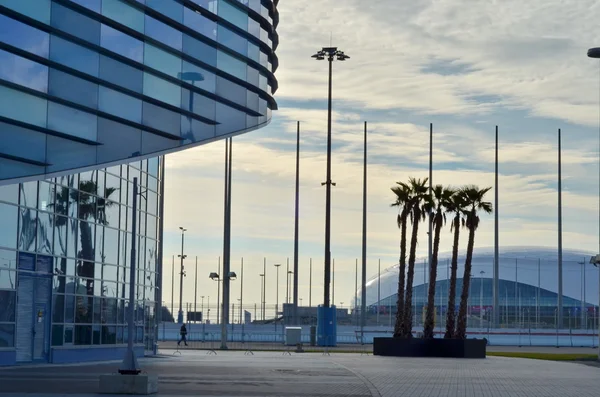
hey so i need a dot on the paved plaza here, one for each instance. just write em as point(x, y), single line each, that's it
point(277, 374)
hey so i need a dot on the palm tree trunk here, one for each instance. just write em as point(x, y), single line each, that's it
point(461, 328)
point(401, 279)
point(430, 315)
point(87, 259)
point(407, 323)
point(450, 315)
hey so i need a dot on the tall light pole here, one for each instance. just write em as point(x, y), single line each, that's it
point(296, 228)
point(481, 273)
point(277, 265)
point(331, 54)
point(227, 242)
point(496, 288)
point(196, 291)
point(363, 284)
point(560, 248)
point(262, 294)
point(310, 283)
point(264, 297)
point(181, 275)
point(287, 282)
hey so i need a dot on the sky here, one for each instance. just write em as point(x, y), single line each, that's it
point(463, 66)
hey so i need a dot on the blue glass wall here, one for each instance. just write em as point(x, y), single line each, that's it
point(91, 82)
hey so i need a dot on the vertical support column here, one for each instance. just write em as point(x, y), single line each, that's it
point(296, 227)
point(363, 290)
point(560, 249)
point(496, 283)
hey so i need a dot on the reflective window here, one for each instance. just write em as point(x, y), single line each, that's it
point(200, 50)
point(68, 154)
point(199, 104)
point(161, 119)
point(210, 5)
point(60, 235)
point(72, 121)
point(231, 65)
point(153, 165)
point(233, 14)
point(20, 106)
point(120, 12)
point(230, 119)
point(9, 193)
point(74, 56)
point(170, 8)
point(263, 83)
point(252, 99)
point(29, 194)
point(24, 36)
point(163, 33)
point(121, 43)
point(9, 216)
point(200, 24)
point(152, 143)
point(22, 142)
point(162, 60)
point(252, 76)
point(111, 240)
point(44, 233)
point(152, 184)
point(197, 132)
point(8, 299)
point(123, 75)
point(27, 229)
point(7, 335)
point(162, 90)
point(232, 91)
point(118, 140)
point(76, 24)
point(254, 28)
point(46, 196)
point(72, 89)
point(22, 71)
point(253, 52)
point(121, 105)
point(152, 202)
point(94, 5)
point(38, 10)
point(199, 77)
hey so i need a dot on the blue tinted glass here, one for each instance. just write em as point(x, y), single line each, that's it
point(252, 76)
point(253, 52)
point(118, 73)
point(230, 119)
point(200, 24)
point(121, 105)
point(20, 106)
point(24, 36)
point(38, 10)
point(74, 56)
point(161, 119)
point(200, 50)
point(231, 65)
point(230, 90)
point(200, 104)
point(73, 89)
point(72, 121)
point(93, 5)
point(233, 14)
point(121, 43)
point(163, 33)
point(22, 71)
point(162, 90)
point(65, 154)
point(170, 8)
point(210, 5)
point(8, 214)
point(252, 100)
point(203, 78)
point(198, 131)
point(118, 141)
point(162, 60)
point(124, 14)
point(152, 143)
point(76, 24)
point(254, 28)
point(15, 169)
point(22, 142)
point(233, 41)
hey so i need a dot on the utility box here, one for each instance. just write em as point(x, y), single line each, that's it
point(293, 336)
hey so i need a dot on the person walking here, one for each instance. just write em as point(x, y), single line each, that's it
point(183, 333)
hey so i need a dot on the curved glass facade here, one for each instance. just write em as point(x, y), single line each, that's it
point(90, 82)
point(65, 252)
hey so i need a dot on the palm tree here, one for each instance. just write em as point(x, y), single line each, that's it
point(474, 203)
point(403, 197)
point(441, 200)
point(417, 212)
point(456, 206)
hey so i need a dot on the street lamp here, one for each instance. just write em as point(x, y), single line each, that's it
point(277, 294)
point(192, 77)
point(287, 294)
point(215, 277)
point(262, 294)
point(181, 275)
point(331, 54)
point(481, 273)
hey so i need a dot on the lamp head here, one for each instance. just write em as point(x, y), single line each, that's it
point(214, 276)
point(182, 256)
point(232, 275)
point(594, 52)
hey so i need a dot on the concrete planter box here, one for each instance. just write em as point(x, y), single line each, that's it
point(413, 347)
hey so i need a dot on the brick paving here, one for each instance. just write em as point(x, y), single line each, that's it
point(316, 374)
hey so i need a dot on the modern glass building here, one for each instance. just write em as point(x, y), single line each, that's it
point(85, 83)
point(92, 94)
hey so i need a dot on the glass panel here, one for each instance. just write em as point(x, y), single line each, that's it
point(7, 335)
point(118, 73)
point(57, 334)
point(200, 50)
point(72, 121)
point(27, 229)
point(121, 43)
point(111, 247)
point(8, 280)
point(23, 36)
point(46, 196)
point(230, 90)
point(29, 194)
point(8, 259)
point(60, 235)
point(58, 301)
point(199, 104)
point(163, 33)
point(24, 72)
point(161, 119)
point(73, 89)
point(199, 77)
point(8, 231)
point(231, 65)
point(99, 245)
point(40, 10)
point(231, 119)
point(162, 90)
point(70, 302)
point(83, 333)
point(233, 15)
point(64, 154)
point(253, 52)
point(210, 5)
point(74, 56)
point(72, 238)
point(22, 142)
point(44, 230)
point(118, 140)
point(199, 131)
point(120, 105)
point(254, 28)
point(153, 165)
point(233, 41)
point(23, 107)
point(252, 76)
point(9, 193)
point(162, 61)
point(171, 9)
point(200, 23)
point(123, 14)
point(93, 5)
point(76, 24)
point(152, 184)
